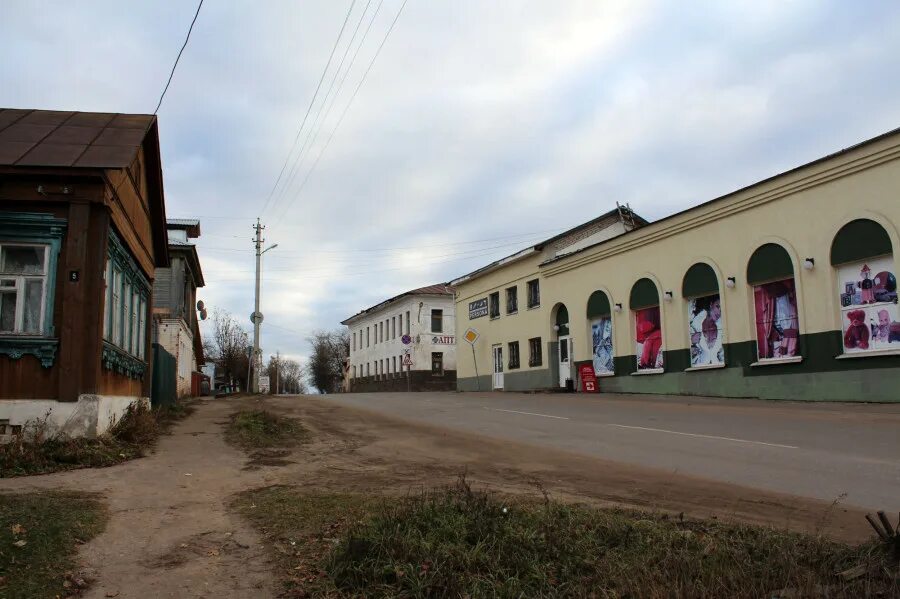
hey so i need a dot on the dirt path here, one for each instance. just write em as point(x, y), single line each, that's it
point(171, 534)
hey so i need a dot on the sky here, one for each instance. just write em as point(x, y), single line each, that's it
point(479, 129)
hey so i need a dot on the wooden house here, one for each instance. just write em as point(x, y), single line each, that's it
point(82, 231)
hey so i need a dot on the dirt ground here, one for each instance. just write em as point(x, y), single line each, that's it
point(171, 533)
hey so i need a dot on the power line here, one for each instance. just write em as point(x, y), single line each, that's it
point(310, 138)
point(183, 46)
point(309, 108)
point(482, 251)
point(344, 113)
point(393, 249)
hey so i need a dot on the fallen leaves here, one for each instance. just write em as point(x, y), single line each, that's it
point(18, 530)
point(20, 543)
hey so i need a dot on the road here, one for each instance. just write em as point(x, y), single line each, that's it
point(845, 452)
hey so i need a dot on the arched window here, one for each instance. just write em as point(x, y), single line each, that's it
point(771, 273)
point(707, 335)
point(644, 303)
point(600, 321)
point(562, 321)
point(862, 254)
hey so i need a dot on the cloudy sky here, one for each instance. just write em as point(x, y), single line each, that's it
point(480, 128)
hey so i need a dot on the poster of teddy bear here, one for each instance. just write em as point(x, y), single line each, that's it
point(868, 300)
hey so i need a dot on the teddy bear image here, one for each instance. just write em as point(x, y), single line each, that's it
point(857, 334)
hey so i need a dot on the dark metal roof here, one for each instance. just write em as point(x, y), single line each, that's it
point(439, 289)
point(71, 139)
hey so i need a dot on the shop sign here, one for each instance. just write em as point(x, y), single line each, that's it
point(478, 308)
point(588, 378)
point(443, 340)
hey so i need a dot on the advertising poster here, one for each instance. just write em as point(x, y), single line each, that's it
point(648, 338)
point(707, 335)
point(868, 300)
point(602, 344)
point(777, 325)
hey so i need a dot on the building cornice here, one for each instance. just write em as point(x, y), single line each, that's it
point(731, 204)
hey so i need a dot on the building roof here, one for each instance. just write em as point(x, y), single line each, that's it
point(637, 220)
point(71, 139)
point(437, 289)
point(190, 225)
point(732, 194)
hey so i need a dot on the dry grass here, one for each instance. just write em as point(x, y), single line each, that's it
point(34, 450)
point(39, 535)
point(463, 543)
point(259, 429)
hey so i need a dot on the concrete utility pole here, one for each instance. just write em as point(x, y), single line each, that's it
point(257, 316)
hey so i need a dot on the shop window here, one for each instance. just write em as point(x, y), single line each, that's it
point(644, 303)
point(771, 274)
point(600, 319)
point(437, 363)
point(862, 255)
point(535, 357)
point(494, 304)
point(513, 355)
point(704, 311)
point(512, 300)
point(533, 288)
point(437, 321)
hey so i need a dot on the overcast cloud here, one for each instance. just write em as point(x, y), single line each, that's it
point(500, 121)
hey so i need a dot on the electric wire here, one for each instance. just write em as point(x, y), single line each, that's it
point(309, 108)
point(316, 127)
point(344, 113)
point(183, 46)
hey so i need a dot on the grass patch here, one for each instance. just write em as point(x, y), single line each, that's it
point(256, 429)
point(34, 450)
point(39, 536)
point(461, 543)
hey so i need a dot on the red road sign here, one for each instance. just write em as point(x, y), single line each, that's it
point(588, 378)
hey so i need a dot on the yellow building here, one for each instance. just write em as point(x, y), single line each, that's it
point(785, 289)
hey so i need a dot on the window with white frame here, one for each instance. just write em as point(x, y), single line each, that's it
point(125, 306)
point(23, 288)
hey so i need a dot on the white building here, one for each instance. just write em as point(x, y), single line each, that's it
point(379, 358)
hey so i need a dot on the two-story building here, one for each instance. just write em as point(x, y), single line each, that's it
point(175, 307)
point(82, 232)
point(785, 289)
point(405, 343)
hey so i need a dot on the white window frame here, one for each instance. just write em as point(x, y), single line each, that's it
point(19, 288)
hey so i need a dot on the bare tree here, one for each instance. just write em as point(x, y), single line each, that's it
point(229, 344)
point(287, 374)
point(326, 365)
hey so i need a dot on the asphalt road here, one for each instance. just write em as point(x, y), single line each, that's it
point(845, 452)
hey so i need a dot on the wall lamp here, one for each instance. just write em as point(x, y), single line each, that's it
point(618, 307)
point(730, 282)
point(556, 327)
point(809, 263)
point(668, 296)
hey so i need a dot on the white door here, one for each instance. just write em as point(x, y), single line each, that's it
point(497, 351)
point(565, 371)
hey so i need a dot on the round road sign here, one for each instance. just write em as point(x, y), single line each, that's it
point(256, 317)
point(406, 339)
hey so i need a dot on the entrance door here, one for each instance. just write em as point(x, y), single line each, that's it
point(565, 371)
point(497, 351)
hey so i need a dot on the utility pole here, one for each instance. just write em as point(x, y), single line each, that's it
point(257, 316)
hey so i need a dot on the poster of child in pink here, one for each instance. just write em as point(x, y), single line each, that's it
point(648, 338)
point(868, 300)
